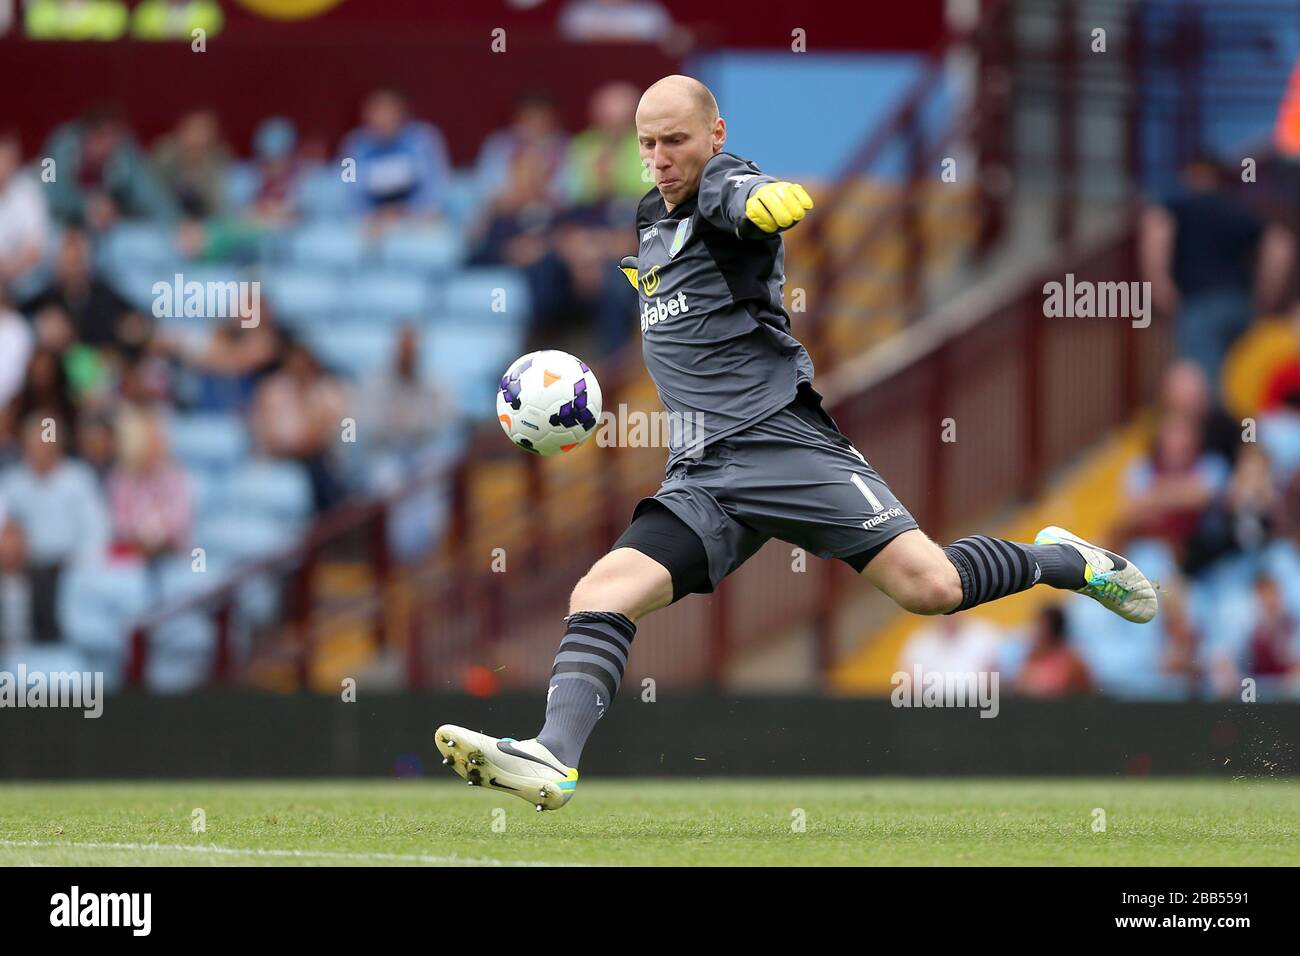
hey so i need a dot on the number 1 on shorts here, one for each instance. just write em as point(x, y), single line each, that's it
point(867, 493)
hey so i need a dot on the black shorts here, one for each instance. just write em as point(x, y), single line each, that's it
point(792, 476)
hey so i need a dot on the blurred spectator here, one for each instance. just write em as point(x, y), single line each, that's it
point(955, 645)
point(140, 410)
point(176, 19)
point(1271, 651)
point(297, 416)
point(533, 128)
point(604, 160)
point(17, 617)
point(192, 162)
point(1212, 263)
point(1169, 491)
point(57, 502)
point(150, 500)
point(401, 163)
point(516, 224)
point(84, 367)
point(16, 342)
point(24, 218)
point(276, 172)
point(1180, 653)
point(226, 364)
point(1242, 519)
point(1186, 391)
point(101, 174)
point(398, 419)
point(46, 392)
point(91, 303)
point(615, 21)
point(1052, 668)
point(97, 444)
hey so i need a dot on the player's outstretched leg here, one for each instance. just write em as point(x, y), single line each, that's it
point(926, 579)
point(587, 672)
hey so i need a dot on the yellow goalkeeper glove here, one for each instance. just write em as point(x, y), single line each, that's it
point(775, 206)
point(628, 267)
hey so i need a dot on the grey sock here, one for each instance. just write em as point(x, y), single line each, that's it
point(588, 670)
point(991, 568)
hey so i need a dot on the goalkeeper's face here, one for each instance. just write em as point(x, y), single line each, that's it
point(676, 142)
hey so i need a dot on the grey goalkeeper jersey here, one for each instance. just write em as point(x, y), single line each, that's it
point(714, 330)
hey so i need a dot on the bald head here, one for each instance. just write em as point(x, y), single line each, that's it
point(684, 95)
point(679, 129)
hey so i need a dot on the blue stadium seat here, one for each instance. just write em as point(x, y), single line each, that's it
point(276, 490)
point(328, 245)
point(241, 184)
point(496, 295)
point(467, 360)
point(321, 193)
point(301, 295)
point(464, 198)
point(209, 441)
point(138, 244)
point(180, 650)
point(431, 249)
point(45, 659)
point(97, 605)
point(233, 535)
point(354, 348)
point(388, 295)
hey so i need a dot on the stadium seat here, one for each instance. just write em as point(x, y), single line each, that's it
point(354, 349)
point(466, 361)
point(463, 197)
point(276, 490)
point(433, 249)
point(498, 295)
point(388, 295)
point(322, 194)
point(209, 441)
point(234, 535)
point(302, 295)
point(328, 245)
point(97, 606)
point(139, 245)
point(241, 185)
point(45, 659)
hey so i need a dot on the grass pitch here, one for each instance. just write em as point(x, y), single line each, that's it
point(655, 822)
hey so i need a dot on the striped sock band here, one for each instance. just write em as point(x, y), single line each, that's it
point(588, 669)
point(990, 568)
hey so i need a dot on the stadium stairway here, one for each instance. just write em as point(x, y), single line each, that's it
point(1072, 503)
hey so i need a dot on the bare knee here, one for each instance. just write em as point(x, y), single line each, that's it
point(625, 581)
point(916, 573)
point(935, 590)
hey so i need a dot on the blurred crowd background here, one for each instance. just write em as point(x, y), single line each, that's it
point(127, 438)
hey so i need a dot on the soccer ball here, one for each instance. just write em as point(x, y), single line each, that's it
point(548, 402)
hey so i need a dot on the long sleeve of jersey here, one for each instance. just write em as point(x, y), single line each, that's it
point(724, 188)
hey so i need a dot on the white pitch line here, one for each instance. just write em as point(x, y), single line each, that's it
point(293, 854)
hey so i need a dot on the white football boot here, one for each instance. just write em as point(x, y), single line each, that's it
point(1110, 580)
point(522, 767)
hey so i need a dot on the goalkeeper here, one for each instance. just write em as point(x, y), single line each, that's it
point(753, 455)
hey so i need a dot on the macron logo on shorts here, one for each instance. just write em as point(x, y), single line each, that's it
point(882, 518)
point(652, 313)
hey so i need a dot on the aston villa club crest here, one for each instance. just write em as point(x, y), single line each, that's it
point(679, 237)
